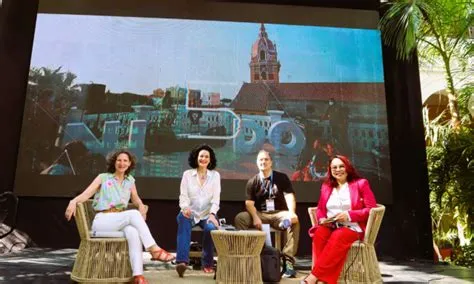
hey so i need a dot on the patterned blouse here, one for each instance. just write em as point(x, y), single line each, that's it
point(111, 193)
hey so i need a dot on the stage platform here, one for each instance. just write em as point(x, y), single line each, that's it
point(42, 265)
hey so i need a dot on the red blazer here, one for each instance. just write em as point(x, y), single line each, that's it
point(362, 199)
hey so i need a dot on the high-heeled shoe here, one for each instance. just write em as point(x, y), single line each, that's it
point(181, 268)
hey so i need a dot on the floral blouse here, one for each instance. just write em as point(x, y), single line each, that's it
point(111, 193)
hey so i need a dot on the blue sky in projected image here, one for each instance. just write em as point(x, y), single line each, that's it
point(142, 54)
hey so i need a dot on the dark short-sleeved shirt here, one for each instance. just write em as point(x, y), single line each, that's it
point(258, 190)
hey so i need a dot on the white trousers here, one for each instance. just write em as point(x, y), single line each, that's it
point(135, 229)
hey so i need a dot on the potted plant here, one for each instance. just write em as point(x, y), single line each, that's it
point(450, 157)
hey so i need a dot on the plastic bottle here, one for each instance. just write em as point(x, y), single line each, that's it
point(285, 224)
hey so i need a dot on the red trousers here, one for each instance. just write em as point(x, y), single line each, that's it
point(330, 248)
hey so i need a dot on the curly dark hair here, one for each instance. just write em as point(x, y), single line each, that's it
point(112, 158)
point(193, 156)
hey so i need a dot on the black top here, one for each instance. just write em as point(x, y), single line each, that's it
point(259, 191)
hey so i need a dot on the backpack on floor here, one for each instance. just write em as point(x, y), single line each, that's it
point(271, 262)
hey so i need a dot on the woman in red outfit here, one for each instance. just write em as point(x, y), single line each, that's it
point(345, 198)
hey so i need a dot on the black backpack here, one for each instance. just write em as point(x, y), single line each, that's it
point(271, 261)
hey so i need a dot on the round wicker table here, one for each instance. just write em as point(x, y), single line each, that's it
point(239, 256)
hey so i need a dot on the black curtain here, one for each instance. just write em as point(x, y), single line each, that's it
point(17, 22)
point(410, 213)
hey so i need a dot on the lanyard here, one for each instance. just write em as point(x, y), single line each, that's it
point(270, 190)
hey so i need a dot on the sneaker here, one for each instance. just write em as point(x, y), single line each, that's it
point(181, 268)
point(289, 271)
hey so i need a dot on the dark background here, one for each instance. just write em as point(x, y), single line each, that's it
point(405, 231)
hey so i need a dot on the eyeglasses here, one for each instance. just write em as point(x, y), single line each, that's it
point(333, 168)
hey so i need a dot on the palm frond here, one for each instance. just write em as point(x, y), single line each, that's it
point(402, 24)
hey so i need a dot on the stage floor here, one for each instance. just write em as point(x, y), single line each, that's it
point(42, 265)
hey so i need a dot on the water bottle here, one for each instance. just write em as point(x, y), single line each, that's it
point(285, 224)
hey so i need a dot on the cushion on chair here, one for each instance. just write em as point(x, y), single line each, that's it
point(105, 234)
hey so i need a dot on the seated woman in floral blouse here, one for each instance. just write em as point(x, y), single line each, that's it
point(112, 192)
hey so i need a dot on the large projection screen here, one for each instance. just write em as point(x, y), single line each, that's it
point(301, 83)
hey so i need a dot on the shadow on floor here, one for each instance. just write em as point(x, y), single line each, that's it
point(40, 265)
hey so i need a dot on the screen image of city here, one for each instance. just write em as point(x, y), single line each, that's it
point(159, 87)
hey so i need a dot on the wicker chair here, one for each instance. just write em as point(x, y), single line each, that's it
point(361, 265)
point(99, 260)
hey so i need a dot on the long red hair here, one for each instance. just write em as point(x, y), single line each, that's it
point(350, 170)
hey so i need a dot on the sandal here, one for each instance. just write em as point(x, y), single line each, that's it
point(139, 279)
point(208, 269)
point(305, 281)
point(162, 255)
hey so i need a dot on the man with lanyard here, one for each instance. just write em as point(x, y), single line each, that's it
point(271, 200)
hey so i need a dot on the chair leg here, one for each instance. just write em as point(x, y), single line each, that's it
point(373, 269)
point(361, 266)
point(278, 240)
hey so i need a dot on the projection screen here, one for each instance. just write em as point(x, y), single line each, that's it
point(302, 83)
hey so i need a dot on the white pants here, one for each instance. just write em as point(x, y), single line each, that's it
point(135, 229)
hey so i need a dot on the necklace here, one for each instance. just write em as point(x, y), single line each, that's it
point(202, 176)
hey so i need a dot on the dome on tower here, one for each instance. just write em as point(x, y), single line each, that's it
point(263, 43)
point(264, 64)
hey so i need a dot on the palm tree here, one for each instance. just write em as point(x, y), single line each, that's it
point(60, 84)
point(438, 30)
point(53, 79)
